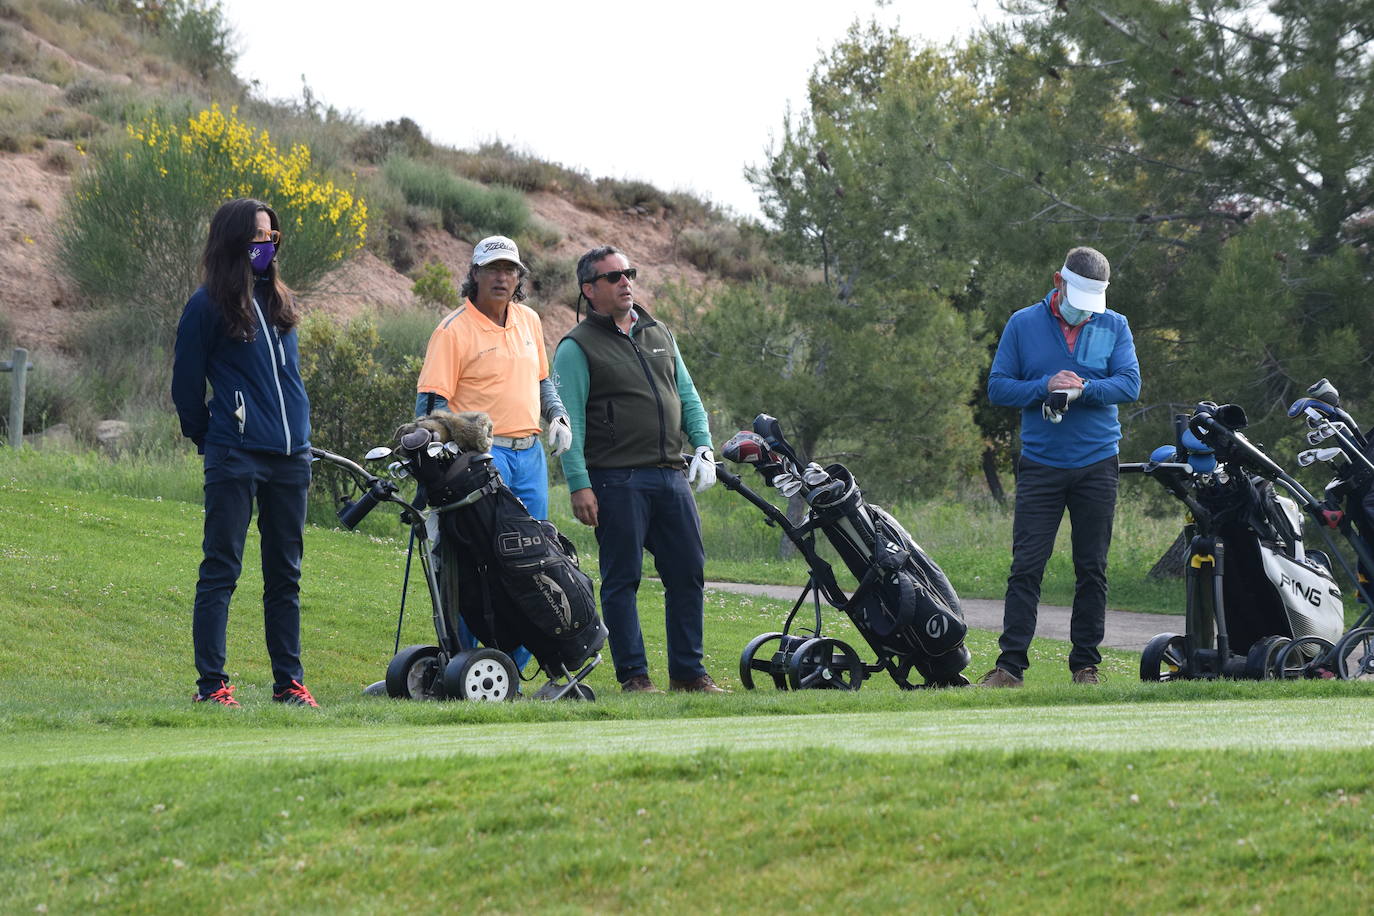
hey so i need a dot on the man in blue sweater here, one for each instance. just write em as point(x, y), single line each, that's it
point(1066, 361)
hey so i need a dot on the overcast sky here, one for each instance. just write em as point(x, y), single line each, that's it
point(683, 95)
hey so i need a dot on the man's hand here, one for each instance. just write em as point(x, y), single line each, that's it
point(702, 470)
point(559, 436)
point(584, 506)
point(1064, 378)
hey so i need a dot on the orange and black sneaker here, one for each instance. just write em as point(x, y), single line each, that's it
point(295, 695)
point(223, 695)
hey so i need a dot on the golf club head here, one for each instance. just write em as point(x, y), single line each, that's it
point(1323, 390)
point(377, 453)
point(745, 447)
point(771, 430)
point(415, 440)
point(1307, 457)
point(435, 449)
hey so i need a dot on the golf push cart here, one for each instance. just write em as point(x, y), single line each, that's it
point(904, 606)
point(1258, 605)
point(519, 581)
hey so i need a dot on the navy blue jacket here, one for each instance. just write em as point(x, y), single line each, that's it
point(258, 401)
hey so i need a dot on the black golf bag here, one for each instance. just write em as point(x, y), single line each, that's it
point(514, 579)
point(903, 606)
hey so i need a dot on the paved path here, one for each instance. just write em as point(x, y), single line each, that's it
point(1125, 629)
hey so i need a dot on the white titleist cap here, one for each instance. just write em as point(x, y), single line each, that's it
point(1084, 293)
point(498, 248)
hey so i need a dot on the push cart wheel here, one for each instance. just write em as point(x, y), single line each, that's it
point(582, 692)
point(414, 674)
point(1304, 657)
point(1259, 661)
point(825, 664)
point(1163, 658)
point(749, 661)
point(480, 674)
point(1354, 655)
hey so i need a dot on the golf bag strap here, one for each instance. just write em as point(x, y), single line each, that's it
point(485, 490)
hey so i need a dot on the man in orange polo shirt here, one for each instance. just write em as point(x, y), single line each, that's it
point(488, 355)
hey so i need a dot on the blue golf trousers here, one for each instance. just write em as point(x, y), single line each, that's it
point(527, 475)
point(651, 508)
point(1042, 495)
point(234, 480)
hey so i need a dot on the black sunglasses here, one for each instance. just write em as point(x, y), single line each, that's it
point(614, 276)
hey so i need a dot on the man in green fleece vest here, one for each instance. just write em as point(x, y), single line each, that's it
point(633, 408)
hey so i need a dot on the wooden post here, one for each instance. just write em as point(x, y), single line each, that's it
point(19, 366)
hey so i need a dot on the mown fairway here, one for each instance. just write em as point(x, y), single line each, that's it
point(119, 794)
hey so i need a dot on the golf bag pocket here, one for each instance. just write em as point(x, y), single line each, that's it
point(553, 595)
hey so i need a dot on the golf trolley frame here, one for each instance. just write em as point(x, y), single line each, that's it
point(808, 659)
point(1352, 656)
point(453, 669)
point(1204, 651)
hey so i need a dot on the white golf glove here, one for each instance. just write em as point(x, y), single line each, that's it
point(559, 436)
point(702, 470)
point(1058, 402)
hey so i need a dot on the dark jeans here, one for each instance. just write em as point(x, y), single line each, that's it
point(234, 480)
point(652, 508)
point(1042, 495)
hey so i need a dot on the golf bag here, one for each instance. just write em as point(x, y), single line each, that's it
point(514, 579)
point(903, 606)
point(1258, 603)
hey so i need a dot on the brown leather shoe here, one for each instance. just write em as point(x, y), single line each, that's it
point(1088, 675)
point(639, 683)
point(1001, 677)
point(702, 684)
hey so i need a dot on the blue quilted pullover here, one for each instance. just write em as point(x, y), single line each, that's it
point(1032, 350)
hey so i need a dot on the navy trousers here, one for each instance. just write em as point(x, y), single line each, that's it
point(235, 479)
point(1042, 495)
point(639, 508)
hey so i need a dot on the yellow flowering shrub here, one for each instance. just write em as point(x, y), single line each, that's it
point(237, 161)
point(137, 219)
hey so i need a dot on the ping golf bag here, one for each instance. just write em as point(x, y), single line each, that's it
point(514, 579)
point(903, 606)
point(1258, 604)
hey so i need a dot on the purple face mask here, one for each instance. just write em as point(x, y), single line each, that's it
point(260, 255)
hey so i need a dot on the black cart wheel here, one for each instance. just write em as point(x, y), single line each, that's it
point(581, 692)
point(1259, 661)
point(1163, 658)
point(1354, 655)
point(480, 674)
point(414, 674)
point(825, 664)
point(1302, 658)
point(756, 658)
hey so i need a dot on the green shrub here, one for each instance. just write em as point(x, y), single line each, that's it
point(467, 208)
point(356, 400)
point(196, 35)
point(51, 390)
point(381, 141)
point(404, 336)
point(434, 284)
point(498, 163)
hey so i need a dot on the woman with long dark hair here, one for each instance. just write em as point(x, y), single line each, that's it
point(237, 333)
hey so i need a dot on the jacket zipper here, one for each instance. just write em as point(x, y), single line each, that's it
point(658, 400)
point(276, 376)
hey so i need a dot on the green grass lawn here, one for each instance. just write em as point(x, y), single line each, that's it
point(119, 794)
